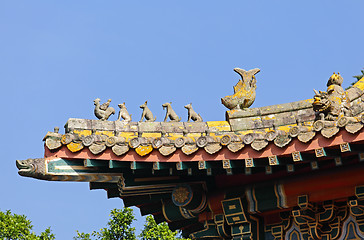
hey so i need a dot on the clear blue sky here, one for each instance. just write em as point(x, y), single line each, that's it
point(56, 57)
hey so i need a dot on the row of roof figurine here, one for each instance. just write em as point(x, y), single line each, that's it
point(103, 112)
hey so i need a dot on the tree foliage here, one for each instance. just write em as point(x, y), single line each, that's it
point(14, 226)
point(360, 76)
point(119, 227)
point(154, 231)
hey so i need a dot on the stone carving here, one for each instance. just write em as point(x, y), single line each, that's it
point(188, 149)
point(53, 139)
point(259, 144)
point(282, 140)
point(88, 140)
point(167, 150)
point(235, 146)
point(123, 113)
point(353, 127)
point(32, 168)
point(212, 148)
point(103, 111)
point(147, 114)
point(179, 142)
point(192, 114)
point(329, 132)
point(306, 136)
point(96, 148)
point(171, 114)
point(120, 149)
point(244, 90)
point(332, 104)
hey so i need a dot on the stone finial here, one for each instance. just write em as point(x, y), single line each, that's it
point(123, 113)
point(56, 129)
point(192, 114)
point(147, 114)
point(244, 90)
point(171, 114)
point(332, 104)
point(103, 111)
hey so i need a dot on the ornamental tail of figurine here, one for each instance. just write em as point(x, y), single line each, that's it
point(244, 90)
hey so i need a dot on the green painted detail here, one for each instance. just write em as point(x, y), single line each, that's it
point(182, 224)
point(144, 199)
point(140, 165)
point(242, 231)
point(162, 165)
point(118, 164)
point(173, 213)
point(181, 166)
point(62, 166)
point(359, 192)
point(233, 210)
point(95, 163)
point(266, 198)
point(151, 208)
point(302, 201)
point(232, 206)
point(76, 167)
point(209, 231)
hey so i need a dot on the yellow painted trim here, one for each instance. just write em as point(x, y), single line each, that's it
point(144, 150)
point(151, 134)
point(359, 84)
point(75, 147)
point(107, 133)
point(219, 125)
point(83, 132)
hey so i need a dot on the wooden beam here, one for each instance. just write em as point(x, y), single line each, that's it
point(95, 163)
point(113, 193)
point(102, 185)
point(134, 165)
point(119, 164)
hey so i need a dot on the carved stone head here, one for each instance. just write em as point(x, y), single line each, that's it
point(32, 168)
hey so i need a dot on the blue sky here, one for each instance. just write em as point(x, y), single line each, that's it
point(56, 57)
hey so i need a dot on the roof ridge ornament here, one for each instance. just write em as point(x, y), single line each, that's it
point(147, 114)
point(123, 113)
point(192, 114)
point(332, 104)
point(244, 90)
point(103, 111)
point(170, 113)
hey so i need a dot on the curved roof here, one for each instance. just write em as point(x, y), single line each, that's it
point(250, 133)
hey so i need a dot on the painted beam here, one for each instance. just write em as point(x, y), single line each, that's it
point(151, 208)
point(113, 193)
point(144, 199)
point(102, 185)
point(95, 163)
point(134, 165)
point(327, 152)
point(119, 164)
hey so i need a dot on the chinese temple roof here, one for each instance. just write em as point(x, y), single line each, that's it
point(186, 172)
point(247, 132)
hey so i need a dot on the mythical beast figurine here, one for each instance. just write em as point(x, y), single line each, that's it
point(244, 90)
point(103, 111)
point(123, 113)
point(333, 103)
point(170, 113)
point(192, 114)
point(147, 114)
